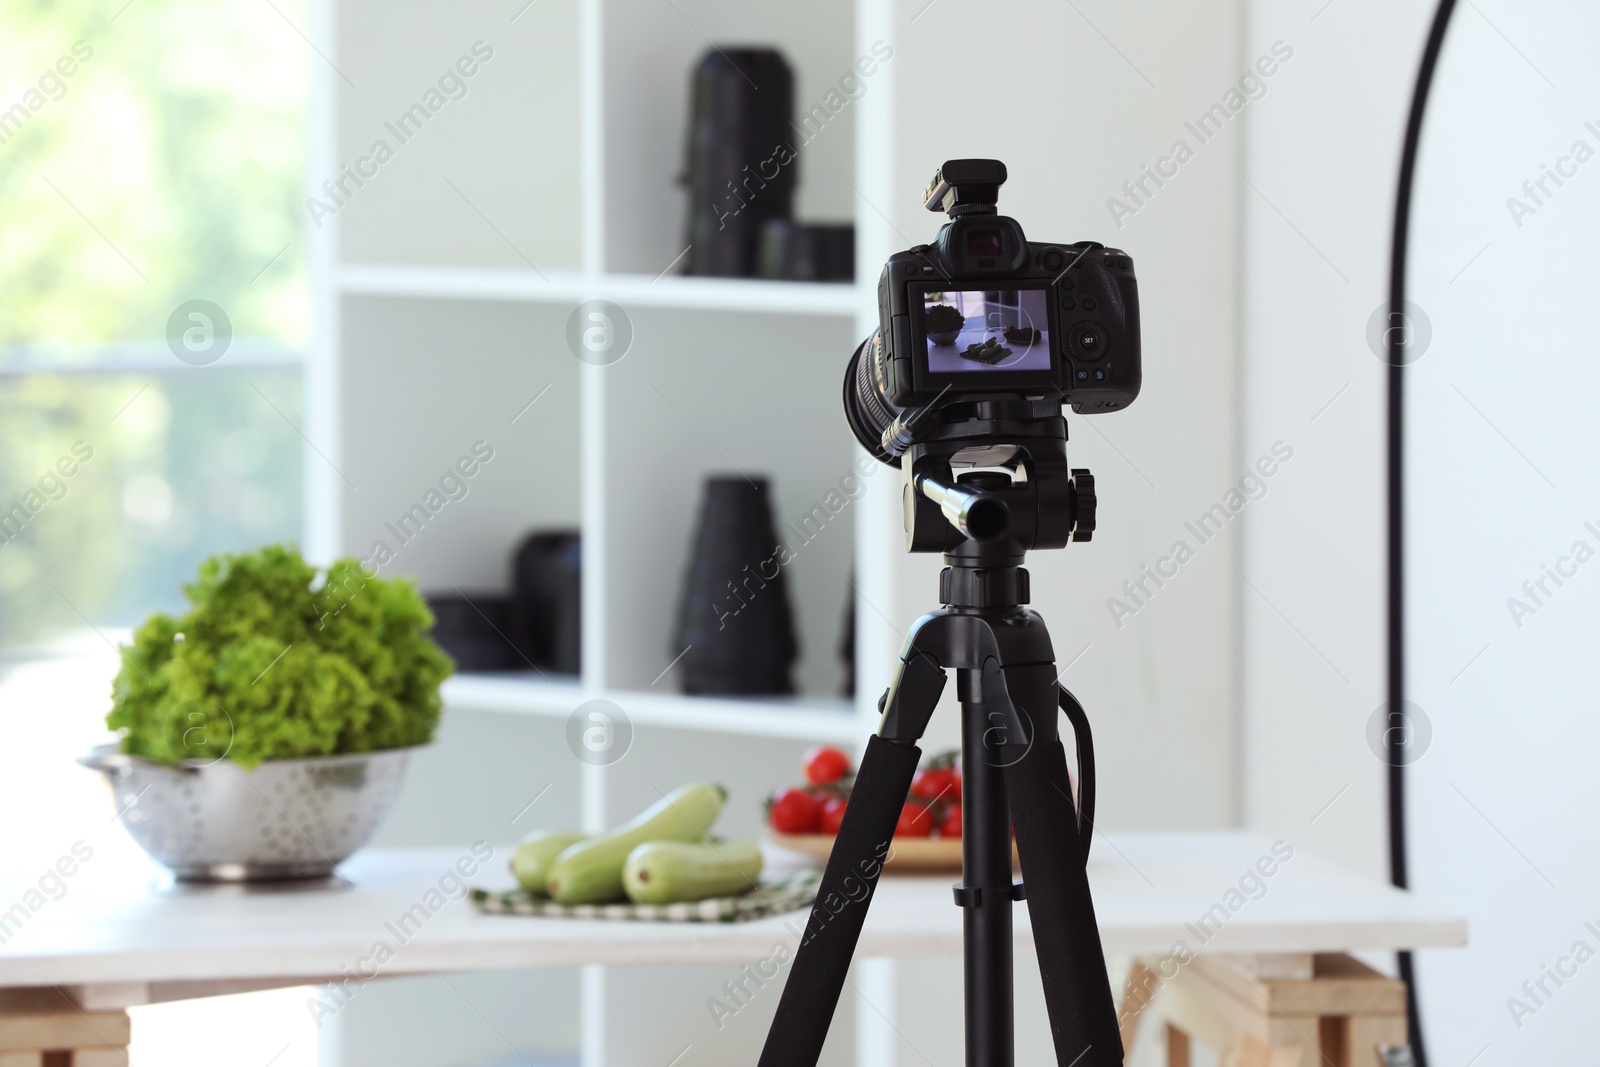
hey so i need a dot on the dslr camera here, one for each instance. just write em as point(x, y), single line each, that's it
point(983, 314)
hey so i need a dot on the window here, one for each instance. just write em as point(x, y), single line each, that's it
point(151, 154)
point(149, 158)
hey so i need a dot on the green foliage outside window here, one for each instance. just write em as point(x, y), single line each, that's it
point(150, 154)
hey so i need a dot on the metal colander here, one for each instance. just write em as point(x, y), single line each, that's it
point(214, 821)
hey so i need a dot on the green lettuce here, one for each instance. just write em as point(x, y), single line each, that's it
point(270, 663)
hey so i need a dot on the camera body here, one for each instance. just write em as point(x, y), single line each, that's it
point(983, 313)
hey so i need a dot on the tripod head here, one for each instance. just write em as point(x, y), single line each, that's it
point(990, 481)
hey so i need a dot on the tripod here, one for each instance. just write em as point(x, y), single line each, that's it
point(1013, 761)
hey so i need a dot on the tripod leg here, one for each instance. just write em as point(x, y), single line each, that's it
point(1083, 1018)
point(817, 976)
point(986, 891)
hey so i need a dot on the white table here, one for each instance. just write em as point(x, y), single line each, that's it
point(1151, 891)
point(124, 935)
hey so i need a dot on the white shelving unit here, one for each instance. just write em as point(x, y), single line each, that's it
point(445, 285)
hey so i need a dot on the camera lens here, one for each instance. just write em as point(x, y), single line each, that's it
point(984, 242)
point(864, 406)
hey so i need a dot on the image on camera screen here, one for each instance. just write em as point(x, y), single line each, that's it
point(997, 329)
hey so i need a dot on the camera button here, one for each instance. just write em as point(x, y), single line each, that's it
point(1068, 303)
point(1066, 283)
point(1052, 260)
point(1083, 376)
point(1099, 375)
point(1088, 341)
point(1088, 303)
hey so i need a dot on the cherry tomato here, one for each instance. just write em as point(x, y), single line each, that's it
point(930, 783)
point(824, 764)
point(793, 811)
point(915, 821)
point(951, 826)
point(832, 814)
point(955, 781)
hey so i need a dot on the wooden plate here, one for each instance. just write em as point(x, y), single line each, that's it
point(907, 855)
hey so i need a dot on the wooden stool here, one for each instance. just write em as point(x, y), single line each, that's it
point(44, 1028)
point(1268, 1011)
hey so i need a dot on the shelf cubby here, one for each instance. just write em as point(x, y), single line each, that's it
point(423, 384)
point(742, 395)
point(647, 54)
point(490, 176)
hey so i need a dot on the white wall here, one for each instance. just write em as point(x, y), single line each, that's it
point(1320, 163)
point(1075, 116)
point(1501, 437)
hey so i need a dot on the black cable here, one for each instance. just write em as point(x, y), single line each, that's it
point(1397, 337)
point(1084, 739)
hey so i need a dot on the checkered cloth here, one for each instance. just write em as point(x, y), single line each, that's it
point(788, 894)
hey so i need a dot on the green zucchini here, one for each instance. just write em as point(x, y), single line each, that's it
point(533, 858)
point(591, 871)
point(665, 872)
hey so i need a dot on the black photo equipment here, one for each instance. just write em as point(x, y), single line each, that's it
point(547, 601)
point(735, 632)
point(807, 252)
point(741, 169)
point(472, 630)
point(968, 402)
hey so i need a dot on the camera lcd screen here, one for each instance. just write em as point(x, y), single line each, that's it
point(986, 330)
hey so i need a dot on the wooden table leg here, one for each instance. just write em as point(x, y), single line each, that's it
point(99, 1058)
point(66, 1035)
point(1364, 1033)
point(1252, 1053)
point(1137, 992)
point(1177, 1047)
point(1338, 1015)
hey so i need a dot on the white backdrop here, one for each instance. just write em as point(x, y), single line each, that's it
point(1502, 443)
point(1504, 439)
